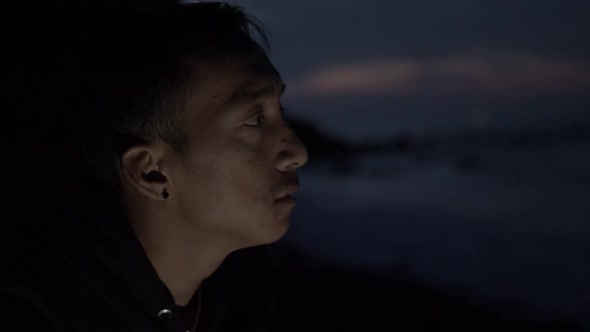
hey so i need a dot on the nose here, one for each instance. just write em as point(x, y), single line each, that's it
point(293, 153)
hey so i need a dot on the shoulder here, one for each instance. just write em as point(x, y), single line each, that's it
point(19, 312)
point(27, 285)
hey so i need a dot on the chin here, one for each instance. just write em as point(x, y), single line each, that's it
point(281, 231)
point(269, 233)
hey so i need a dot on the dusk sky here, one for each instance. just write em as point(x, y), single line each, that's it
point(375, 68)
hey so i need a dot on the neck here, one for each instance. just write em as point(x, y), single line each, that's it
point(181, 255)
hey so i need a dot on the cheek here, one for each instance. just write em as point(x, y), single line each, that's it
point(237, 178)
point(249, 180)
point(232, 170)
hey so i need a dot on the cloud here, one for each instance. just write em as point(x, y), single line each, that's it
point(512, 75)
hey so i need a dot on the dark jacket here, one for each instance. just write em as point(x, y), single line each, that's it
point(81, 271)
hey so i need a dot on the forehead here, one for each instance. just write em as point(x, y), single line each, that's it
point(222, 79)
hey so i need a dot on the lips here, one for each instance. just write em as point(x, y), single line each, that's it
point(286, 200)
point(288, 193)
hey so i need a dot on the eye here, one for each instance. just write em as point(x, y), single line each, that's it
point(256, 122)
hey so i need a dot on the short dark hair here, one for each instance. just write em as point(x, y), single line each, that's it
point(131, 73)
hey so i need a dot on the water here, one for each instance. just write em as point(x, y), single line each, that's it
point(508, 224)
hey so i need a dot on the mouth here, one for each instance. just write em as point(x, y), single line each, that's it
point(286, 200)
point(287, 196)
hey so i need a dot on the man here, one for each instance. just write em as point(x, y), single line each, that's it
point(177, 114)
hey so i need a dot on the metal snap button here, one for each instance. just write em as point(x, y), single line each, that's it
point(165, 314)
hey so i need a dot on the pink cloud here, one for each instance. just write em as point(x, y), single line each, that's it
point(485, 75)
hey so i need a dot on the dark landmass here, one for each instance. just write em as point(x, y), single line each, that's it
point(330, 297)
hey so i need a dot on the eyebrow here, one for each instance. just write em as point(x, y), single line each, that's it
point(245, 95)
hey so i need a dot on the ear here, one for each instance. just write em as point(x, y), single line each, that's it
point(141, 169)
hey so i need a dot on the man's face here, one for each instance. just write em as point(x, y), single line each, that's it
point(243, 154)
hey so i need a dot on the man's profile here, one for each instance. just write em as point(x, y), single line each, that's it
point(177, 116)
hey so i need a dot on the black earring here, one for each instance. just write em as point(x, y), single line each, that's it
point(165, 194)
